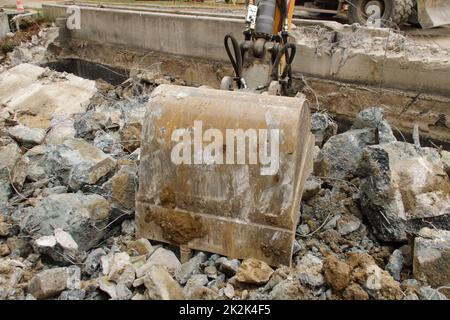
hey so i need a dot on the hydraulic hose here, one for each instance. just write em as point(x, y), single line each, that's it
point(289, 58)
point(236, 58)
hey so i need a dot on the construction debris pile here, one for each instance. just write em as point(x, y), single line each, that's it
point(351, 40)
point(374, 215)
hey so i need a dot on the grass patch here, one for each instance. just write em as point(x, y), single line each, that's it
point(7, 45)
point(28, 28)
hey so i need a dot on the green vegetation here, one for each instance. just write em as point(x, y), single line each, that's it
point(7, 45)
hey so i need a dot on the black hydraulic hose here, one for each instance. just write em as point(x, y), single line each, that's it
point(289, 58)
point(236, 59)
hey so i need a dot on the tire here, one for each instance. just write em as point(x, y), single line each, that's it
point(393, 12)
point(414, 18)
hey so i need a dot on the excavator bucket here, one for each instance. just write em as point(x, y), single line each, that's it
point(223, 171)
point(433, 13)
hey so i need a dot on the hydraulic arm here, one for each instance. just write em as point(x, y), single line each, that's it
point(262, 62)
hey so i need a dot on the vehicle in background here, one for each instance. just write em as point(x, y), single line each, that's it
point(383, 13)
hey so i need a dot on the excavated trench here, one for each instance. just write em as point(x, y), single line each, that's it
point(89, 70)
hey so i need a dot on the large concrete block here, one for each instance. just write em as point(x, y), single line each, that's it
point(431, 262)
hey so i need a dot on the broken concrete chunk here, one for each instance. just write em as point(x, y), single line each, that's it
point(229, 267)
point(128, 227)
point(203, 293)
point(19, 172)
point(92, 261)
point(323, 127)
point(36, 163)
point(309, 270)
point(311, 188)
point(10, 275)
point(77, 163)
point(347, 224)
point(254, 271)
point(445, 157)
point(190, 267)
point(377, 282)
point(431, 262)
point(28, 137)
point(355, 292)
point(142, 246)
point(48, 283)
point(303, 229)
point(4, 229)
point(278, 275)
point(108, 286)
point(122, 292)
point(74, 294)
point(395, 264)
point(9, 155)
point(428, 293)
point(108, 143)
point(373, 118)
point(161, 286)
point(61, 129)
point(105, 262)
point(4, 250)
point(19, 246)
point(228, 291)
point(340, 156)
point(400, 186)
point(289, 289)
point(58, 247)
point(54, 190)
point(85, 217)
point(65, 240)
point(161, 257)
point(211, 272)
point(26, 88)
point(88, 123)
point(36, 172)
point(46, 242)
point(124, 185)
point(74, 279)
point(121, 270)
point(131, 136)
point(126, 277)
point(196, 281)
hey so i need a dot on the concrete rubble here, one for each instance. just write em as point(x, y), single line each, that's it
point(401, 187)
point(432, 257)
point(374, 216)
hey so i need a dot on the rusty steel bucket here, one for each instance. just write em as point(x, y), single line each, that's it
point(433, 13)
point(237, 208)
